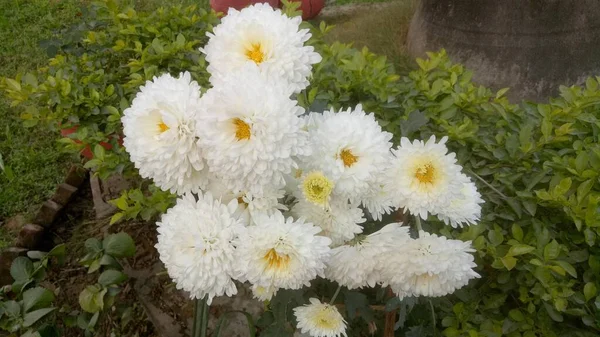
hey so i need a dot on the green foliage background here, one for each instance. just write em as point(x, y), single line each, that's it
point(536, 165)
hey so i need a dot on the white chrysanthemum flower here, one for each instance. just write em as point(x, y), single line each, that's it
point(195, 244)
point(251, 132)
point(160, 134)
point(250, 206)
point(357, 264)
point(339, 221)
point(265, 38)
point(282, 253)
point(315, 188)
point(378, 200)
point(320, 319)
point(424, 177)
point(465, 209)
point(263, 293)
point(350, 148)
point(430, 266)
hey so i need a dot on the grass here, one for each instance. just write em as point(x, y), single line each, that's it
point(381, 28)
point(33, 164)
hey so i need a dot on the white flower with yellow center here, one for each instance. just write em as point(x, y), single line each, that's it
point(320, 319)
point(463, 210)
point(251, 132)
point(160, 134)
point(357, 264)
point(430, 266)
point(350, 148)
point(195, 244)
point(316, 188)
point(263, 293)
point(265, 38)
point(424, 177)
point(339, 221)
point(281, 253)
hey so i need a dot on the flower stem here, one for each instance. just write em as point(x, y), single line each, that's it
point(418, 223)
point(200, 318)
point(335, 295)
point(432, 318)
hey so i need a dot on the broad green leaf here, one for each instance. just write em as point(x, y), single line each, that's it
point(589, 290)
point(93, 245)
point(110, 277)
point(31, 317)
point(119, 245)
point(520, 249)
point(21, 269)
point(567, 267)
point(517, 232)
point(509, 262)
point(551, 251)
point(37, 297)
point(91, 299)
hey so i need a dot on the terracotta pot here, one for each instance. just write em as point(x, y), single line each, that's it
point(311, 8)
point(87, 150)
point(223, 6)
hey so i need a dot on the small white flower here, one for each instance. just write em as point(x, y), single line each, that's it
point(320, 319)
point(350, 148)
point(265, 38)
point(160, 134)
point(195, 244)
point(430, 266)
point(251, 132)
point(356, 264)
point(465, 209)
point(424, 176)
point(339, 221)
point(281, 253)
point(263, 293)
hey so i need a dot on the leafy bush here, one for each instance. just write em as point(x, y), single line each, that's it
point(537, 165)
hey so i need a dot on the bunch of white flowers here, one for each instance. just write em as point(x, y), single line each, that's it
point(276, 196)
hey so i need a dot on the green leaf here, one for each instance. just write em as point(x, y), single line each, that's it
point(91, 299)
point(119, 245)
point(589, 290)
point(21, 269)
point(357, 303)
point(31, 317)
point(567, 267)
point(509, 262)
point(520, 249)
point(551, 251)
point(116, 217)
point(37, 297)
point(12, 84)
point(517, 232)
point(111, 276)
point(93, 245)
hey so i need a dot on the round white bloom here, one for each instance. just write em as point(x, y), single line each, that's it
point(263, 293)
point(424, 177)
point(264, 38)
point(339, 221)
point(281, 253)
point(356, 264)
point(320, 319)
point(350, 148)
point(251, 132)
point(430, 266)
point(160, 134)
point(195, 244)
point(465, 209)
point(250, 206)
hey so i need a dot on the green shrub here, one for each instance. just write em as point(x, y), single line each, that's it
point(537, 165)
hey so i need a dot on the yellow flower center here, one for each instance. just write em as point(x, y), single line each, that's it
point(242, 129)
point(317, 188)
point(425, 173)
point(325, 319)
point(255, 53)
point(348, 157)
point(162, 127)
point(276, 261)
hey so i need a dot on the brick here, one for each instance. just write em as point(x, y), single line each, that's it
point(30, 236)
point(76, 176)
point(64, 193)
point(48, 213)
point(7, 256)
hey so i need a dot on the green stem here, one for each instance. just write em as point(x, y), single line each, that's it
point(200, 318)
point(418, 223)
point(488, 184)
point(335, 295)
point(432, 318)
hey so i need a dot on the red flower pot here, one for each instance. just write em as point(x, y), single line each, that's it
point(87, 150)
point(224, 5)
point(311, 8)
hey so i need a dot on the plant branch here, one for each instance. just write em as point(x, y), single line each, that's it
point(488, 184)
point(200, 318)
point(335, 295)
